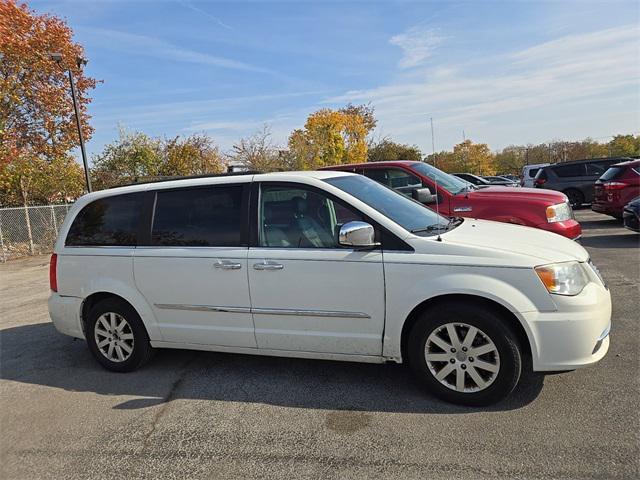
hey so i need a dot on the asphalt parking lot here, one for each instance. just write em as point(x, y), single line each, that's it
point(210, 415)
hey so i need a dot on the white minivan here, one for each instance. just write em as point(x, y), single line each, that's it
point(327, 265)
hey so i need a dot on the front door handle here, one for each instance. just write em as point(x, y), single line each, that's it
point(227, 265)
point(266, 265)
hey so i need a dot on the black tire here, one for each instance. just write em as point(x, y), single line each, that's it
point(576, 198)
point(142, 350)
point(490, 324)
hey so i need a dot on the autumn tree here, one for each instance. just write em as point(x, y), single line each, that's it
point(196, 154)
point(388, 150)
point(135, 156)
point(333, 137)
point(37, 120)
point(258, 153)
point(624, 146)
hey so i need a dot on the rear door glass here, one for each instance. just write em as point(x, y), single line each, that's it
point(577, 170)
point(199, 217)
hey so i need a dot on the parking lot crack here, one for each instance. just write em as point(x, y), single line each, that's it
point(166, 400)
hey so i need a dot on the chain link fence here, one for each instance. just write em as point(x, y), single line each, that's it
point(29, 230)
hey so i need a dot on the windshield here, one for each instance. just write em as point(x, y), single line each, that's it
point(451, 184)
point(407, 213)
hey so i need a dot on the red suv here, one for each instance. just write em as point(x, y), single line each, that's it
point(544, 209)
point(616, 187)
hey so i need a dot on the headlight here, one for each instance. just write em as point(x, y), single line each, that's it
point(563, 278)
point(559, 212)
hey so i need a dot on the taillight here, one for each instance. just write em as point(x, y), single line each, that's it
point(539, 181)
point(615, 185)
point(53, 273)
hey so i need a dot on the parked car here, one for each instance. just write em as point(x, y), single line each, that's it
point(452, 196)
point(631, 215)
point(513, 178)
point(616, 187)
point(498, 180)
point(338, 267)
point(473, 179)
point(529, 174)
point(575, 179)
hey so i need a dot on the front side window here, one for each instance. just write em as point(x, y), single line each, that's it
point(395, 178)
point(107, 222)
point(450, 183)
point(198, 217)
point(297, 217)
point(596, 169)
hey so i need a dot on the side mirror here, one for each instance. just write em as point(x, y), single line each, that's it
point(424, 195)
point(357, 235)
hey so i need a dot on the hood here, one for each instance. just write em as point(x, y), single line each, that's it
point(483, 242)
point(524, 194)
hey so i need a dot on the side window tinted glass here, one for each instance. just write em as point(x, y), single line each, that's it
point(395, 178)
point(596, 169)
point(577, 170)
point(379, 175)
point(300, 218)
point(198, 217)
point(111, 221)
point(533, 171)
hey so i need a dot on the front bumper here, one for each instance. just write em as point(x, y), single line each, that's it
point(574, 336)
point(65, 314)
point(569, 228)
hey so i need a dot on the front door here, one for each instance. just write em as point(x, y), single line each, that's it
point(194, 273)
point(307, 292)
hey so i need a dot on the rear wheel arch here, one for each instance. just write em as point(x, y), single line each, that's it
point(95, 298)
point(508, 317)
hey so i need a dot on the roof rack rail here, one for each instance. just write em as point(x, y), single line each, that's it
point(168, 178)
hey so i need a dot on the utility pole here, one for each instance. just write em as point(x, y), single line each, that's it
point(433, 144)
point(57, 57)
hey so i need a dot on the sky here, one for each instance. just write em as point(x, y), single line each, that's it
point(497, 72)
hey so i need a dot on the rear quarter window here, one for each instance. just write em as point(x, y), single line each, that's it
point(612, 173)
point(110, 221)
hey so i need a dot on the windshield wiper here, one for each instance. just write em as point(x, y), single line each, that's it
point(453, 221)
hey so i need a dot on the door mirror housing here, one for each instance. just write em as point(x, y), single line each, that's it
point(359, 235)
point(424, 195)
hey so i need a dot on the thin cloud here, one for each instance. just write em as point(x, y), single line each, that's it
point(200, 11)
point(570, 70)
point(155, 47)
point(417, 44)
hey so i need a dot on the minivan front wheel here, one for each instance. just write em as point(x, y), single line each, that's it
point(465, 354)
point(116, 336)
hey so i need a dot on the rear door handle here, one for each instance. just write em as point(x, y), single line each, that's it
point(266, 265)
point(227, 265)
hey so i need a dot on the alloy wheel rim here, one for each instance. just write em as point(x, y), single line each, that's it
point(114, 337)
point(462, 357)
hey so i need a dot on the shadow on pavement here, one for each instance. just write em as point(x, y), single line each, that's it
point(606, 223)
point(620, 240)
point(38, 354)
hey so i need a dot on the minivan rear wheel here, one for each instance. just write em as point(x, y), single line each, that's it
point(116, 336)
point(465, 354)
point(576, 198)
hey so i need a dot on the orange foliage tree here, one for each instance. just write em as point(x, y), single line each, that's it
point(37, 120)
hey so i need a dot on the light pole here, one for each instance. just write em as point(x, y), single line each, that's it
point(57, 57)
